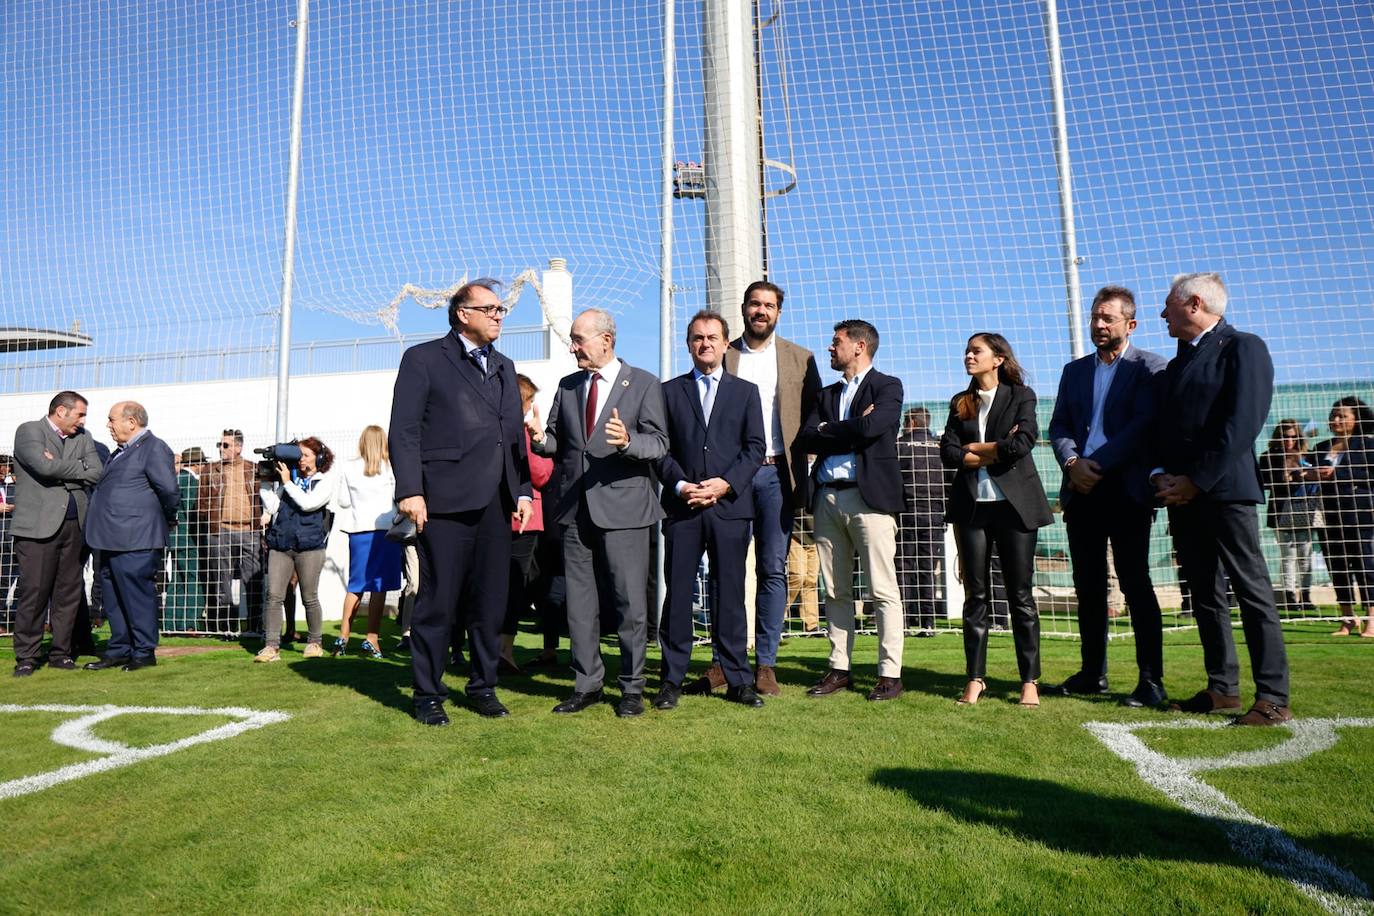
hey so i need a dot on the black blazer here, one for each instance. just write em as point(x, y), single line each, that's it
point(1012, 425)
point(456, 436)
point(872, 438)
point(1216, 401)
point(730, 447)
point(1348, 497)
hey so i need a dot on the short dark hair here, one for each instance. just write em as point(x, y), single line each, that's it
point(235, 434)
point(463, 295)
point(858, 329)
point(764, 285)
point(1120, 294)
point(6, 460)
point(708, 315)
point(918, 416)
point(67, 399)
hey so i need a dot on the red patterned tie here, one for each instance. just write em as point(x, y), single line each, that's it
point(591, 403)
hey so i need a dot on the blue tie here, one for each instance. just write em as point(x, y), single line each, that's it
point(479, 356)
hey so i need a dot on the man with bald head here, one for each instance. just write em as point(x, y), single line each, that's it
point(132, 509)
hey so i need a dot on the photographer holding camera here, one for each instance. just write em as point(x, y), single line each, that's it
point(295, 511)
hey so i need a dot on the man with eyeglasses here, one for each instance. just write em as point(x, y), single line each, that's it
point(457, 447)
point(1100, 432)
point(232, 509)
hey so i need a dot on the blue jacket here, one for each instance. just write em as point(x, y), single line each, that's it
point(729, 447)
point(136, 500)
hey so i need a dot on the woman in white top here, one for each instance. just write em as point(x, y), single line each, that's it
point(296, 514)
point(996, 499)
point(367, 507)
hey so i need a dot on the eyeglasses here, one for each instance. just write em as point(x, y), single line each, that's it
point(491, 311)
point(226, 445)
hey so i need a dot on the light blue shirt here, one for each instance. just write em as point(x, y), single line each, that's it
point(1103, 373)
point(843, 467)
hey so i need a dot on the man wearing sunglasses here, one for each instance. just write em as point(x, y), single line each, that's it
point(232, 509)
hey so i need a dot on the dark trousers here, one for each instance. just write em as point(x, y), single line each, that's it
point(1107, 515)
point(614, 563)
point(128, 585)
point(998, 524)
point(552, 590)
point(725, 542)
point(234, 555)
point(524, 573)
point(463, 582)
point(920, 546)
point(1212, 537)
point(49, 574)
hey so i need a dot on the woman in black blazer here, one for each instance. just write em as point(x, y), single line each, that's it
point(995, 498)
point(1341, 466)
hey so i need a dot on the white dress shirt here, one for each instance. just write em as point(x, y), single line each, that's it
point(609, 373)
point(761, 367)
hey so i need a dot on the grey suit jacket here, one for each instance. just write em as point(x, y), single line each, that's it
point(618, 486)
point(799, 384)
point(42, 484)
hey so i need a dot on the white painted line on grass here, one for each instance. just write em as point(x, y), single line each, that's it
point(1334, 888)
point(76, 733)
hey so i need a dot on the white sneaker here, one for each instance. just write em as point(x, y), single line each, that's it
point(313, 650)
point(268, 654)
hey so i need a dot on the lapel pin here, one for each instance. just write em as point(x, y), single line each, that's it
point(625, 383)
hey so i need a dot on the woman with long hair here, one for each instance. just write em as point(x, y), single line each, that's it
point(1288, 476)
point(1342, 468)
point(296, 514)
point(995, 499)
point(367, 506)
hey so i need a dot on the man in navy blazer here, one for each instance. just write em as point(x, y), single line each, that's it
point(457, 448)
point(1217, 394)
point(1101, 436)
point(133, 507)
point(715, 447)
point(857, 494)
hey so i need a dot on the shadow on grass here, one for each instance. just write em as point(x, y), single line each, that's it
point(1064, 818)
point(385, 682)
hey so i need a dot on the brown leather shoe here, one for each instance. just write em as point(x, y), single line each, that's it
point(766, 681)
point(713, 679)
point(1265, 713)
point(834, 681)
point(1205, 701)
point(888, 688)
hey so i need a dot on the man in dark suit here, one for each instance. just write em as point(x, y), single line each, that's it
point(132, 509)
point(54, 461)
point(9, 572)
point(715, 444)
point(1217, 393)
point(921, 526)
point(858, 494)
point(1101, 436)
point(458, 451)
point(607, 429)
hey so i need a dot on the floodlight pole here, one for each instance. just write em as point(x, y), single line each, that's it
point(1069, 240)
point(288, 266)
point(665, 256)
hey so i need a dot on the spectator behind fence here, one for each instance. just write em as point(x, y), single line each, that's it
point(132, 509)
point(1217, 394)
point(296, 515)
point(804, 572)
point(367, 507)
point(525, 537)
point(9, 572)
point(1293, 503)
point(1346, 478)
point(996, 498)
point(1100, 434)
point(858, 493)
point(55, 460)
point(184, 602)
point(232, 511)
point(921, 526)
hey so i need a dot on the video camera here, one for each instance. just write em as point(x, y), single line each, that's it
point(286, 452)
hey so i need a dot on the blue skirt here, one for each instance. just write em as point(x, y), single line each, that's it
point(374, 563)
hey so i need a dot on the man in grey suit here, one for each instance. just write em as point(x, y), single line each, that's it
point(54, 461)
point(607, 428)
point(1100, 430)
point(132, 509)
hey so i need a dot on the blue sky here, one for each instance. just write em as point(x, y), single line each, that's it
point(143, 150)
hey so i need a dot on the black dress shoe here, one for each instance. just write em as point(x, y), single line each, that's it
point(834, 681)
point(106, 662)
point(430, 712)
point(631, 705)
point(668, 695)
point(24, 669)
point(490, 707)
point(744, 695)
point(1147, 694)
point(578, 702)
point(62, 664)
point(1081, 684)
point(135, 664)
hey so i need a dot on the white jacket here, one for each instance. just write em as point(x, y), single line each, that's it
point(365, 503)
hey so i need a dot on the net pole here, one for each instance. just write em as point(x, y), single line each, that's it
point(288, 266)
point(1068, 237)
point(665, 254)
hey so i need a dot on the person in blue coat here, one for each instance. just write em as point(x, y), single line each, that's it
point(133, 507)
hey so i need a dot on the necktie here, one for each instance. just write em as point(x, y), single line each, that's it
point(708, 397)
point(591, 403)
point(479, 356)
point(119, 450)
